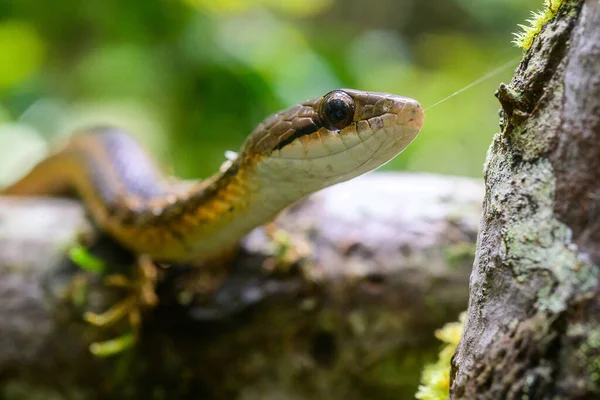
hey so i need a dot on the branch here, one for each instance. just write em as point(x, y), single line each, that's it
point(390, 260)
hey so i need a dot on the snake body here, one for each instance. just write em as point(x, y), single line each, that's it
point(291, 154)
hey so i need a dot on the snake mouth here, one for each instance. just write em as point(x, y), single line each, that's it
point(319, 142)
point(284, 155)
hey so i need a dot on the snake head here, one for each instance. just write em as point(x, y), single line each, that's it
point(331, 139)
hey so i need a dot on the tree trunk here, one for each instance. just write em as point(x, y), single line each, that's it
point(533, 323)
point(391, 256)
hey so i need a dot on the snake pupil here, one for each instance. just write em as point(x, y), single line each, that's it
point(337, 110)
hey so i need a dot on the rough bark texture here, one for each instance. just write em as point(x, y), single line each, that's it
point(390, 260)
point(533, 324)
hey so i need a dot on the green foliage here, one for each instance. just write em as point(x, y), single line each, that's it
point(192, 78)
point(114, 346)
point(22, 52)
point(85, 260)
point(528, 32)
point(436, 376)
point(293, 7)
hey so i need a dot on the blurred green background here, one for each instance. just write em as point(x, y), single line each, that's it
point(193, 77)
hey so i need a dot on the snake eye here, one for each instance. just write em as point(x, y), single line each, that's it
point(337, 110)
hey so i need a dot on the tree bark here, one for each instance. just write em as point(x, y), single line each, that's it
point(390, 260)
point(533, 323)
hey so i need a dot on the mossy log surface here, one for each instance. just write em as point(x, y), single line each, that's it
point(389, 261)
point(533, 323)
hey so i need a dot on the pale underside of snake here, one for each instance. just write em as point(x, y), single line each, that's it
point(289, 155)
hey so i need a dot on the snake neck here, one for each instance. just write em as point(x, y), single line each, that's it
point(209, 219)
point(228, 206)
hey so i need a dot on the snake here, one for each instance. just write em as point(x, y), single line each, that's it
point(288, 156)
